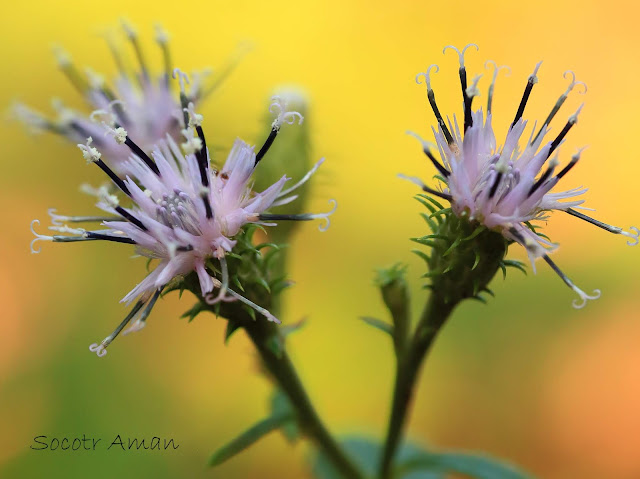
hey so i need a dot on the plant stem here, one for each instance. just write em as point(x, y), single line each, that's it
point(262, 333)
point(433, 318)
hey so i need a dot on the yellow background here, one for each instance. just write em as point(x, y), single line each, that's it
point(526, 378)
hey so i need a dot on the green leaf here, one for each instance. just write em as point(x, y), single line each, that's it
point(249, 437)
point(267, 245)
point(424, 203)
point(280, 405)
point(422, 254)
point(504, 269)
point(434, 201)
point(232, 327)
point(287, 329)
point(472, 465)
point(475, 233)
point(195, 310)
point(512, 263)
point(378, 324)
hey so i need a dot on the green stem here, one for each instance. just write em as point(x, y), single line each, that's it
point(433, 318)
point(262, 333)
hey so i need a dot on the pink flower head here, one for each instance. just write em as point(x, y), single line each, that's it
point(505, 187)
point(183, 212)
point(140, 102)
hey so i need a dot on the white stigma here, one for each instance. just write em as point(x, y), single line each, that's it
point(584, 297)
point(427, 76)
point(182, 78)
point(496, 69)
point(461, 53)
point(325, 216)
point(38, 237)
point(634, 235)
point(573, 83)
point(99, 349)
point(279, 108)
point(55, 218)
point(162, 37)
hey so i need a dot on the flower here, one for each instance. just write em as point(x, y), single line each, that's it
point(139, 102)
point(183, 212)
point(504, 188)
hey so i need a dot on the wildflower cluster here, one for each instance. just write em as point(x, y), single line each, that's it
point(183, 211)
point(500, 189)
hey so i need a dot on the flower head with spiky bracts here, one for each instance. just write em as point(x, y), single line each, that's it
point(142, 104)
point(183, 212)
point(504, 188)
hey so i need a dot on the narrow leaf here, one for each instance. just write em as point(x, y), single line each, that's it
point(248, 438)
point(378, 324)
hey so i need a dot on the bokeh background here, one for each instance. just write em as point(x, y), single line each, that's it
point(527, 377)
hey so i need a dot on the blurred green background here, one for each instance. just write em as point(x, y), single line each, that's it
point(527, 377)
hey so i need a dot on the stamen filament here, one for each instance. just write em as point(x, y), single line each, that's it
point(427, 151)
point(266, 146)
point(142, 320)
point(425, 188)
point(532, 80)
point(583, 296)
point(101, 349)
point(131, 218)
point(216, 282)
point(99, 236)
point(560, 101)
point(302, 217)
point(573, 119)
point(432, 101)
point(611, 229)
point(142, 155)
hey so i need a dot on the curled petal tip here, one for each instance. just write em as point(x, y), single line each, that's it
point(584, 297)
point(497, 68)
point(634, 235)
point(325, 216)
point(461, 53)
point(99, 349)
point(427, 75)
point(182, 78)
point(38, 237)
point(574, 82)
